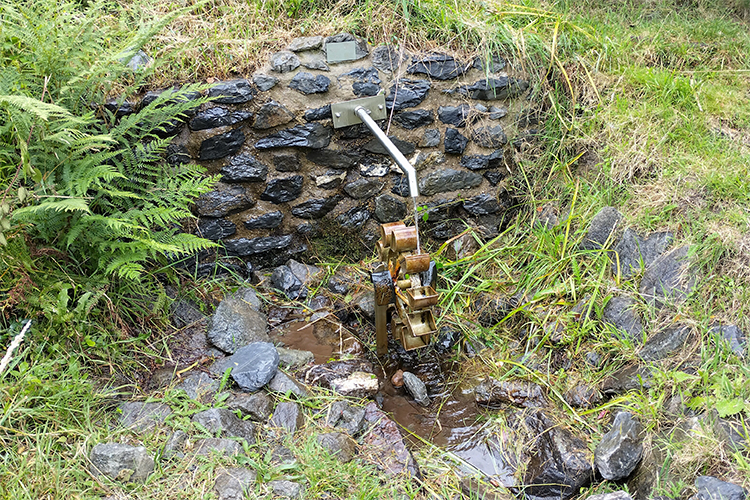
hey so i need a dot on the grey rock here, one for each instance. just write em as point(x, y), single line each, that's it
point(438, 66)
point(177, 154)
point(316, 208)
point(284, 384)
point(199, 386)
point(139, 61)
point(354, 218)
point(224, 422)
point(385, 58)
point(294, 358)
point(497, 113)
point(232, 92)
point(482, 204)
point(221, 145)
point(233, 483)
point(217, 117)
point(632, 250)
point(254, 365)
point(258, 406)
point(490, 136)
point(416, 388)
point(269, 220)
point(617, 495)
point(333, 158)
point(494, 176)
point(185, 313)
point(284, 61)
point(733, 336)
point(286, 489)
point(384, 446)
point(322, 375)
point(494, 393)
point(264, 82)
point(284, 280)
point(344, 416)
point(175, 446)
point(430, 139)
point(455, 143)
point(330, 180)
point(628, 378)
point(454, 115)
point(668, 279)
point(375, 146)
point(366, 81)
point(621, 313)
point(237, 322)
point(307, 83)
point(216, 229)
point(223, 446)
point(272, 114)
point(447, 179)
point(288, 416)
point(322, 113)
point(711, 488)
point(356, 385)
point(243, 247)
point(244, 168)
point(389, 209)
point(498, 88)
point(363, 188)
point(314, 59)
point(583, 396)
point(120, 108)
point(375, 167)
point(225, 199)
point(142, 417)
point(601, 228)
point(361, 48)
point(489, 63)
point(309, 135)
point(481, 162)
point(121, 462)
point(303, 43)
point(285, 162)
point(283, 190)
point(414, 119)
point(665, 342)
point(339, 445)
point(304, 272)
point(620, 449)
point(406, 94)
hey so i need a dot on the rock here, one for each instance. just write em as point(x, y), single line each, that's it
point(389, 209)
point(243, 247)
point(314, 59)
point(304, 272)
point(374, 146)
point(446, 180)
point(120, 108)
point(733, 336)
point(224, 422)
point(232, 92)
point(621, 313)
point(339, 445)
point(223, 446)
point(497, 113)
point(406, 94)
point(361, 49)
point(257, 406)
point(316, 208)
point(175, 446)
point(363, 188)
point(333, 159)
point(286, 162)
point(272, 114)
point(309, 135)
point(269, 220)
point(317, 114)
point(414, 119)
point(284, 384)
point(385, 58)
point(668, 279)
point(665, 342)
point(288, 416)
point(494, 393)
point(384, 446)
point(303, 43)
point(216, 229)
point(184, 313)
point(602, 226)
point(416, 388)
point(330, 180)
point(366, 81)
point(244, 168)
point(307, 83)
point(482, 204)
point(199, 386)
point(324, 374)
point(494, 176)
point(356, 385)
point(631, 250)
point(627, 379)
point(142, 417)
point(221, 145)
point(375, 167)
point(344, 416)
point(286, 489)
point(454, 115)
point(481, 162)
point(617, 495)
point(492, 89)
point(711, 488)
point(354, 218)
point(264, 82)
point(121, 462)
point(284, 61)
point(237, 322)
point(223, 200)
point(139, 61)
point(438, 66)
point(284, 280)
point(365, 303)
point(294, 358)
point(178, 154)
point(253, 365)
point(489, 64)
point(620, 449)
point(233, 483)
point(490, 136)
point(217, 117)
point(454, 143)
point(430, 139)
point(283, 190)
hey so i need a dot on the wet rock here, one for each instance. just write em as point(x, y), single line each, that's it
point(583, 396)
point(216, 229)
point(363, 188)
point(284, 384)
point(430, 139)
point(494, 176)
point(284, 61)
point(223, 446)
point(330, 180)
point(339, 445)
point(303, 43)
point(309, 135)
point(287, 415)
point(374, 146)
point(454, 115)
point(481, 162)
point(602, 226)
point(665, 343)
point(414, 119)
point(217, 117)
point(479, 489)
point(416, 388)
point(286, 162)
point(631, 250)
point(284, 280)
point(272, 114)
point(264, 82)
point(668, 279)
point(482, 204)
point(185, 314)
point(496, 393)
point(490, 136)
point(258, 406)
point(489, 64)
point(406, 94)
point(233, 483)
point(224, 422)
point(223, 200)
point(307, 83)
point(447, 179)
point(356, 385)
point(620, 449)
point(232, 92)
point(389, 209)
point(244, 247)
point(627, 378)
point(385, 447)
point(244, 168)
point(316, 208)
point(334, 159)
point(617, 495)
point(621, 313)
point(304, 272)
point(121, 462)
point(177, 154)
point(455, 143)
point(286, 489)
point(344, 416)
point(269, 220)
point(283, 190)
point(237, 321)
point(324, 374)
point(354, 218)
point(438, 66)
point(254, 365)
point(199, 386)
point(120, 108)
point(175, 446)
point(385, 58)
point(711, 488)
point(317, 114)
point(221, 145)
point(733, 336)
point(142, 417)
point(492, 89)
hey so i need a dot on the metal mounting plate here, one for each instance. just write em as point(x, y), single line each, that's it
point(344, 115)
point(341, 51)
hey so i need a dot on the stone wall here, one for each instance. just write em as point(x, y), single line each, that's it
point(286, 172)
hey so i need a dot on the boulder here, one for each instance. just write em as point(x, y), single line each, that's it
point(121, 462)
point(620, 449)
point(253, 365)
point(288, 416)
point(237, 321)
point(233, 483)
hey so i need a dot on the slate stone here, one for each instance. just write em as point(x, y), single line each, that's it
point(401, 186)
point(175, 446)
point(447, 179)
point(120, 109)
point(482, 204)
point(489, 64)
point(317, 114)
point(264, 82)
point(621, 313)
point(253, 365)
point(284, 384)
point(244, 247)
point(215, 229)
point(221, 145)
point(198, 386)
point(285, 489)
point(733, 336)
point(711, 488)
point(121, 462)
point(354, 218)
point(314, 59)
point(217, 117)
point(583, 396)
point(225, 423)
point(363, 188)
point(620, 449)
point(438, 66)
point(389, 209)
point(294, 358)
point(316, 208)
point(406, 94)
point(330, 180)
point(430, 139)
point(286, 162)
point(338, 445)
point(481, 162)
point(303, 43)
point(628, 378)
point(454, 115)
point(416, 388)
point(665, 342)
point(232, 92)
point(288, 416)
point(414, 119)
point(455, 143)
point(361, 50)
point(184, 313)
point(284, 280)
point(356, 385)
point(307, 83)
point(490, 136)
point(233, 483)
point(257, 406)
point(668, 279)
point(632, 250)
point(244, 168)
point(237, 321)
point(223, 446)
point(283, 190)
point(177, 154)
point(337, 159)
point(142, 417)
point(374, 146)
point(384, 446)
point(225, 199)
point(284, 61)
point(386, 58)
point(493, 393)
point(269, 220)
point(366, 81)
point(272, 114)
point(343, 416)
point(309, 135)
point(499, 88)
point(602, 226)
point(497, 113)
point(304, 272)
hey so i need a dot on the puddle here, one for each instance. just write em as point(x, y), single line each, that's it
point(325, 339)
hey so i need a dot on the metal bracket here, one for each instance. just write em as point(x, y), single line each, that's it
point(344, 114)
point(341, 51)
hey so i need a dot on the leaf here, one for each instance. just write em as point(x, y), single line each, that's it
point(3, 241)
point(728, 407)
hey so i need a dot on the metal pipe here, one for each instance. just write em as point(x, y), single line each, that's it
point(397, 156)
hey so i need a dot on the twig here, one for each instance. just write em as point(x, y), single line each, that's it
point(13, 345)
